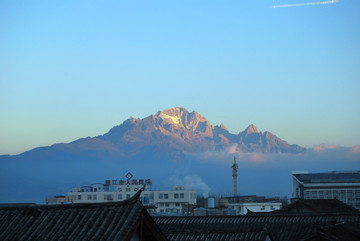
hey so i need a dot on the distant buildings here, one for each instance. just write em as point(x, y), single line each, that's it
point(344, 186)
point(243, 208)
point(172, 201)
point(306, 220)
point(238, 205)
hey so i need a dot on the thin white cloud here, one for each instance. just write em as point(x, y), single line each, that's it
point(192, 182)
point(355, 149)
point(305, 4)
point(325, 146)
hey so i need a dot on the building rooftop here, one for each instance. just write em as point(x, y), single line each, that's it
point(280, 227)
point(330, 177)
point(99, 221)
point(319, 206)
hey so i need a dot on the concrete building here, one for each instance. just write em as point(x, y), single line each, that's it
point(243, 208)
point(344, 186)
point(59, 200)
point(239, 205)
point(158, 201)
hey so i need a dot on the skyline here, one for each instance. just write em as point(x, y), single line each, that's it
point(71, 70)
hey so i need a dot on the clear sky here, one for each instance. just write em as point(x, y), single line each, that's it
point(71, 69)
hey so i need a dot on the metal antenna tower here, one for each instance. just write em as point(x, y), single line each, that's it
point(235, 168)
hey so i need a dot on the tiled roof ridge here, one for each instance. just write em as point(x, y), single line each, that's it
point(303, 214)
point(259, 230)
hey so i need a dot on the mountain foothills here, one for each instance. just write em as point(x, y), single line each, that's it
point(170, 134)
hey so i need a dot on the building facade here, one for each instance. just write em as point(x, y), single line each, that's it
point(344, 186)
point(243, 208)
point(160, 201)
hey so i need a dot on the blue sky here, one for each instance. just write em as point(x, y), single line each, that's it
point(71, 69)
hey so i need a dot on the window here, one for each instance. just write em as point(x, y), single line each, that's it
point(94, 197)
point(109, 197)
point(161, 196)
point(119, 196)
point(128, 189)
point(89, 197)
point(166, 205)
point(176, 195)
point(120, 189)
point(181, 195)
point(262, 207)
point(79, 197)
point(177, 204)
point(127, 196)
point(166, 196)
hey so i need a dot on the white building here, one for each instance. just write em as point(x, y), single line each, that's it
point(242, 208)
point(344, 186)
point(171, 201)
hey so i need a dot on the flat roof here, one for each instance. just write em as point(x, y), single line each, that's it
point(330, 177)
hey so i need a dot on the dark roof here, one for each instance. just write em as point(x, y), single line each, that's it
point(281, 227)
point(238, 236)
point(330, 177)
point(100, 221)
point(334, 232)
point(319, 206)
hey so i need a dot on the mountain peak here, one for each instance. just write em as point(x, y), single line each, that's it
point(222, 126)
point(174, 114)
point(251, 129)
point(176, 111)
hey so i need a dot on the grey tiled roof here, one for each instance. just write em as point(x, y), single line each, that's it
point(281, 227)
point(250, 236)
point(330, 177)
point(315, 206)
point(103, 221)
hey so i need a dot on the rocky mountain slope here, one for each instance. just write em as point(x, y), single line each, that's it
point(171, 133)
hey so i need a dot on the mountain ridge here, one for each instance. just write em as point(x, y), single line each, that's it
point(167, 134)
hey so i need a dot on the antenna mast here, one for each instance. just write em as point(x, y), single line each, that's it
point(235, 168)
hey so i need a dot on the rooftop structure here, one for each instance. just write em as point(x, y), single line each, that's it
point(344, 186)
point(127, 220)
point(319, 206)
point(271, 226)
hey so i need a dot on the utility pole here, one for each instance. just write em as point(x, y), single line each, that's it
point(235, 168)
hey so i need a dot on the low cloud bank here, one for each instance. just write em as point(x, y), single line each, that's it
point(324, 146)
point(355, 149)
point(258, 174)
point(269, 174)
point(322, 152)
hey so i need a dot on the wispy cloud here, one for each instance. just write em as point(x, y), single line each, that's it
point(322, 151)
point(355, 149)
point(304, 4)
point(324, 146)
point(193, 182)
